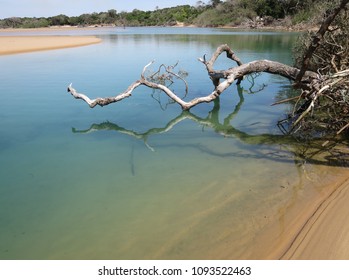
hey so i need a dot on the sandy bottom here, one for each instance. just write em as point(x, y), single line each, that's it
point(325, 234)
point(20, 44)
point(317, 230)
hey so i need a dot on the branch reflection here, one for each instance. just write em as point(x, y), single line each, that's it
point(283, 148)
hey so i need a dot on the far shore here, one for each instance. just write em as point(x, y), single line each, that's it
point(270, 27)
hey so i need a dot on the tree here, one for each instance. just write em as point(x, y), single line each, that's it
point(112, 13)
point(313, 84)
point(85, 19)
point(12, 22)
point(59, 20)
point(215, 3)
point(293, 6)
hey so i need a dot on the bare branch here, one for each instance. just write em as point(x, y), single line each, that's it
point(318, 37)
point(223, 48)
point(105, 100)
point(217, 75)
point(230, 75)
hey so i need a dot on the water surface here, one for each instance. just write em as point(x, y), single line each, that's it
point(135, 180)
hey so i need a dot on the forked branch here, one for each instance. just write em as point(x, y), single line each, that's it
point(230, 75)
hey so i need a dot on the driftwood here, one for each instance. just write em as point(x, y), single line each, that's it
point(228, 76)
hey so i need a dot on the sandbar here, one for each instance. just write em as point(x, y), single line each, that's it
point(21, 44)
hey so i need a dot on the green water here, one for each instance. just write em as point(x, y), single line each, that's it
point(133, 180)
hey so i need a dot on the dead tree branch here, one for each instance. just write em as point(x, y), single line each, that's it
point(217, 75)
point(229, 76)
point(318, 37)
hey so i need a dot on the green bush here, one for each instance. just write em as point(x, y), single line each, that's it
point(301, 16)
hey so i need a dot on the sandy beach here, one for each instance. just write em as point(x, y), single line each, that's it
point(315, 227)
point(20, 44)
point(325, 234)
point(318, 231)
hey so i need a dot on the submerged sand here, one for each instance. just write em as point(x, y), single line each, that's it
point(20, 44)
point(315, 229)
point(325, 234)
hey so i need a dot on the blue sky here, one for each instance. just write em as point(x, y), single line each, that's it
point(46, 8)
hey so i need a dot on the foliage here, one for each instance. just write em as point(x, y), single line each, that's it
point(225, 13)
point(214, 13)
point(168, 16)
point(302, 16)
point(263, 8)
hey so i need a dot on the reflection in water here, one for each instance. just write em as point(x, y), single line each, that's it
point(293, 149)
point(271, 42)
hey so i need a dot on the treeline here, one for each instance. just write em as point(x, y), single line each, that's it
point(214, 13)
point(168, 16)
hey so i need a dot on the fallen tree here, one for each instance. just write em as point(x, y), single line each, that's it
point(314, 85)
point(228, 76)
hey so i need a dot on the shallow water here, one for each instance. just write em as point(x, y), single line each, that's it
point(135, 181)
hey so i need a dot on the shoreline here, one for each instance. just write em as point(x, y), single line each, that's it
point(23, 44)
point(258, 27)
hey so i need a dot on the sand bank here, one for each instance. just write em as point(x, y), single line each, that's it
point(20, 44)
point(52, 28)
point(325, 235)
point(318, 230)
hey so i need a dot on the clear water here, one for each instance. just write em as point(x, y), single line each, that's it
point(132, 180)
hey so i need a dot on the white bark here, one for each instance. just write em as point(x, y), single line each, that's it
point(229, 76)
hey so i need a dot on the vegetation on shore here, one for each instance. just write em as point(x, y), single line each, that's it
point(215, 13)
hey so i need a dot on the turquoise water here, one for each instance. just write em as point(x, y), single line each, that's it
point(134, 180)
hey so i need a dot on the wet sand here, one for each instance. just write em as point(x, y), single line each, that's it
point(325, 234)
point(21, 44)
point(315, 229)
